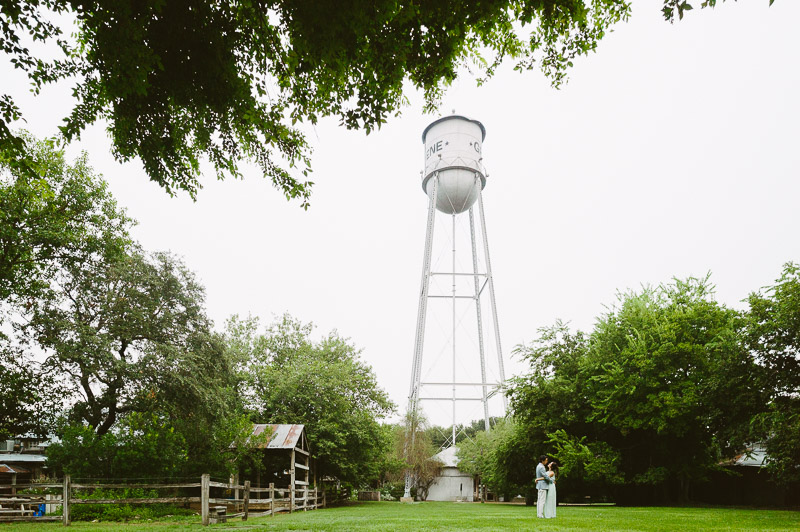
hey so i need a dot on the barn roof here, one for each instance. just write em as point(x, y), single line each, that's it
point(283, 436)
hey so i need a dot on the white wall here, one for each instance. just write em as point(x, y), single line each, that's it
point(451, 485)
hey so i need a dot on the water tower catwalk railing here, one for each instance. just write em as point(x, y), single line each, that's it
point(453, 179)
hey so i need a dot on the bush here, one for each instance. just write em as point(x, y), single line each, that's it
point(122, 512)
point(393, 491)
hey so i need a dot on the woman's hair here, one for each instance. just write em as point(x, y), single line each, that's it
point(553, 466)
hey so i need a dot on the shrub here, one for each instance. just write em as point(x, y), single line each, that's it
point(122, 512)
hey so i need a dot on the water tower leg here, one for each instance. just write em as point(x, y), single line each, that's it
point(416, 369)
point(490, 280)
point(480, 319)
point(453, 443)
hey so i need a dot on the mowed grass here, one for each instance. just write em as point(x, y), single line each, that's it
point(440, 516)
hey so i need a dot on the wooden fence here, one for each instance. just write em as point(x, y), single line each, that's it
point(246, 501)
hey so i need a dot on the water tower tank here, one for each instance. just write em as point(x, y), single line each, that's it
point(453, 152)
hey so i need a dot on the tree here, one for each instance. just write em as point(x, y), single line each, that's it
point(54, 215)
point(227, 81)
point(124, 329)
point(774, 335)
point(415, 446)
point(142, 445)
point(669, 369)
point(29, 398)
point(61, 214)
point(288, 378)
point(479, 456)
point(665, 370)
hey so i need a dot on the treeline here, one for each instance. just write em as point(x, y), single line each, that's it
point(108, 348)
point(668, 387)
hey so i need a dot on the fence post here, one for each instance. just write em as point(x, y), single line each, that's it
point(272, 499)
point(324, 495)
point(316, 498)
point(292, 486)
point(204, 488)
point(235, 482)
point(65, 501)
point(305, 498)
point(246, 499)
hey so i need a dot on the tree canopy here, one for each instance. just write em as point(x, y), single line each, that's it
point(120, 328)
point(665, 370)
point(61, 213)
point(103, 343)
point(774, 335)
point(286, 377)
point(179, 82)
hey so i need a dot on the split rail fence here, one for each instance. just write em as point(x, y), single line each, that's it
point(247, 501)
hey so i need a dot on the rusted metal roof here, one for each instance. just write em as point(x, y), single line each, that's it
point(283, 436)
point(5, 468)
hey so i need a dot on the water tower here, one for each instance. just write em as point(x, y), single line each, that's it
point(460, 282)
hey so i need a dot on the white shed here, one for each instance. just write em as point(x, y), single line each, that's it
point(452, 484)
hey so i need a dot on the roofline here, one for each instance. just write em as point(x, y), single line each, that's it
point(449, 117)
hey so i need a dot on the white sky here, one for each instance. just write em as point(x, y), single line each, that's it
point(673, 151)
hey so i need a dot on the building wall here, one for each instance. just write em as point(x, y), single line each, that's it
point(452, 485)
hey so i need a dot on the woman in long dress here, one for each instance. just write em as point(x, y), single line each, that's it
point(550, 501)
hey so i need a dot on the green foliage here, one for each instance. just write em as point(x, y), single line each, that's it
point(58, 214)
point(53, 216)
point(142, 446)
point(29, 398)
point(288, 378)
point(480, 456)
point(179, 82)
point(412, 452)
point(124, 332)
point(127, 330)
point(592, 462)
point(122, 512)
point(774, 335)
point(393, 464)
point(665, 370)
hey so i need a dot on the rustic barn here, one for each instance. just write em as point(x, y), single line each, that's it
point(452, 484)
point(286, 456)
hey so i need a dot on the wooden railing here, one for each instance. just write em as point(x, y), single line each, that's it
point(276, 500)
point(213, 509)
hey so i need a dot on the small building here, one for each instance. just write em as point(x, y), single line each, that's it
point(286, 456)
point(22, 460)
point(452, 484)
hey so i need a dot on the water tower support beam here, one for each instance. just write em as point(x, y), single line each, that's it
point(478, 313)
point(416, 369)
point(454, 329)
point(490, 280)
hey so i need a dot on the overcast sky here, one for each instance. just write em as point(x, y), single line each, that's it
point(672, 151)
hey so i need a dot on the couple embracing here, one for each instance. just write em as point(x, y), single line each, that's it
point(546, 484)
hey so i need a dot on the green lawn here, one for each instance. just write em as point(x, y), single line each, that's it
point(382, 516)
